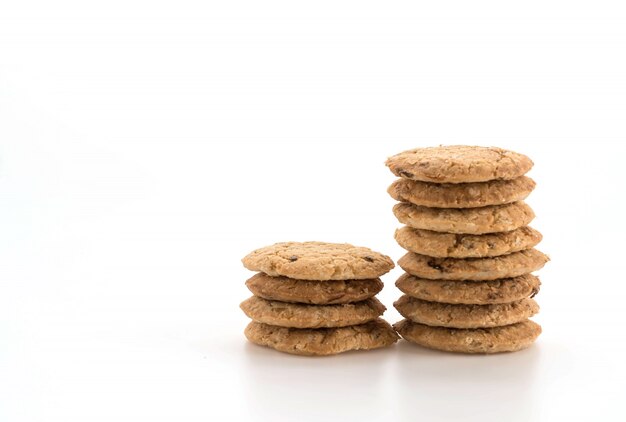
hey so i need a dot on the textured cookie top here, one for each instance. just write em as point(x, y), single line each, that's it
point(318, 261)
point(459, 164)
point(508, 338)
point(322, 341)
point(461, 195)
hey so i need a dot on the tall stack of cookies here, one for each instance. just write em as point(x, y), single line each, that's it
point(316, 298)
point(467, 285)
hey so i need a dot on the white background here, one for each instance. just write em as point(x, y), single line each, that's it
point(147, 146)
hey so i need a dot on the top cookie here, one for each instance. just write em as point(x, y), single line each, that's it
point(318, 261)
point(459, 164)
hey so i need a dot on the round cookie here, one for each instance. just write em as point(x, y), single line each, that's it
point(504, 290)
point(459, 164)
point(490, 219)
point(297, 315)
point(318, 261)
point(509, 338)
point(505, 266)
point(312, 291)
point(322, 341)
point(455, 245)
point(465, 316)
point(461, 195)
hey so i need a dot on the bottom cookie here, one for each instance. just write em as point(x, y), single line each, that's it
point(509, 338)
point(322, 341)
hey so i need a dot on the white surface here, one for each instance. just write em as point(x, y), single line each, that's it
point(146, 147)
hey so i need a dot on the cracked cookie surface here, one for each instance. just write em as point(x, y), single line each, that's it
point(322, 341)
point(459, 164)
point(312, 291)
point(461, 195)
point(490, 219)
point(503, 290)
point(465, 316)
point(298, 315)
point(509, 338)
point(504, 266)
point(456, 245)
point(318, 261)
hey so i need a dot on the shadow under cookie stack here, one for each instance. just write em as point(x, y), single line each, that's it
point(316, 298)
point(467, 285)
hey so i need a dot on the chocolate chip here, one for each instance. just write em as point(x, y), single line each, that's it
point(435, 265)
point(534, 293)
point(405, 174)
point(368, 258)
point(293, 258)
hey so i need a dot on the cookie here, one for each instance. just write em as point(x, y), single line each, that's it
point(322, 341)
point(490, 219)
point(285, 314)
point(504, 266)
point(459, 164)
point(465, 316)
point(461, 195)
point(504, 290)
point(312, 291)
point(455, 245)
point(509, 338)
point(318, 261)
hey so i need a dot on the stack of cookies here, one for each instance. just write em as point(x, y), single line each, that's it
point(468, 285)
point(316, 298)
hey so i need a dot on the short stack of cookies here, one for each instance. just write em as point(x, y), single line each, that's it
point(316, 298)
point(468, 285)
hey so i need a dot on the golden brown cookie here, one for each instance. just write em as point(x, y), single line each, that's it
point(285, 314)
point(322, 341)
point(459, 164)
point(504, 266)
point(461, 195)
point(455, 245)
point(318, 261)
point(490, 219)
point(465, 316)
point(509, 338)
point(504, 290)
point(311, 291)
